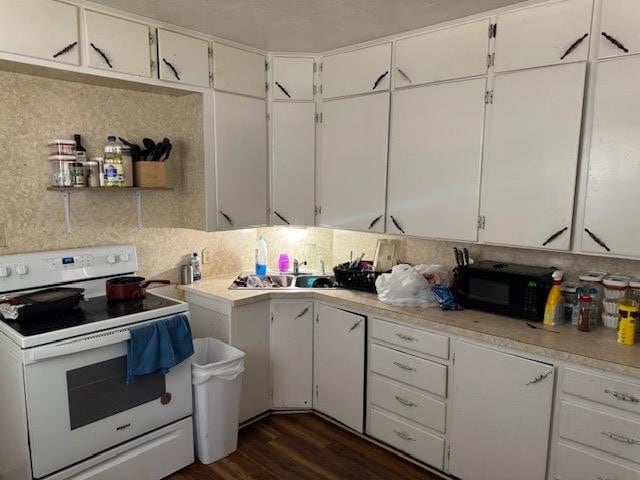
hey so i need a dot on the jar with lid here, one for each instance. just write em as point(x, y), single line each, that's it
point(585, 320)
point(92, 173)
point(571, 301)
point(615, 287)
point(634, 289)
point(77, 174)
point(61, 147)
point(60, 170)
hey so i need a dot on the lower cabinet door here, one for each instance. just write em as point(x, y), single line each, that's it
point(339, 365)
point(414, 441)
point(576, 464)
point(501, 414)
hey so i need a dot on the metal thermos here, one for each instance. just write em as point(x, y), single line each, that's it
point(186, 275)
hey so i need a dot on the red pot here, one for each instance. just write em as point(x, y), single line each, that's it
point(129, 288)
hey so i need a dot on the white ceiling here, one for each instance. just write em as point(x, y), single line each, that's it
point(304, 25)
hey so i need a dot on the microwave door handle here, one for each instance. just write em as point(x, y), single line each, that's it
point(75, 346)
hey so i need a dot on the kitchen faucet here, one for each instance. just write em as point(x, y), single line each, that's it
point(296, 266)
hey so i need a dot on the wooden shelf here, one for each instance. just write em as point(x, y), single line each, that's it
point(108, 189)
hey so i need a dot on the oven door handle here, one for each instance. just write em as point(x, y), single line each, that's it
point(78, 345)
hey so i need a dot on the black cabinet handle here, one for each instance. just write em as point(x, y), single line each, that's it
point(281, 217)
point(102, 54)
point(65, 49)
point(406, 77)
point(227, 217)
point(574, 45)
point(595, 238)
point(173, 69)
point(616, 42)
point(374, 222)
point(554, 236)
point(395, 222)
point(379, 79)
point(284, 90)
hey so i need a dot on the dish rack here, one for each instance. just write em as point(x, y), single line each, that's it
point(361, 278)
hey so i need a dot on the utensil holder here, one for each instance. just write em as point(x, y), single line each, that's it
point(150, 174)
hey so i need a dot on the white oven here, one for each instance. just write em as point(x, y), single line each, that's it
point(79, 404)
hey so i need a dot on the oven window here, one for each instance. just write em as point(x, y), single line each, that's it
point(489, 291)
point(100, 390)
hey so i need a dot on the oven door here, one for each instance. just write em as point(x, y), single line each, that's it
point(79, 404)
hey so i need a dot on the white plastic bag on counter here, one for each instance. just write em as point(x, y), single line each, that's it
point(405, 286)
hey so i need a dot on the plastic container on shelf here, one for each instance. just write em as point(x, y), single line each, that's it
point(61, 147)
point(610, 307)
point(118, 164)
point(592, 284)
point(60, 170)
point(571, 301)
point(615, 287)
point(634, 289)
point(610, 321)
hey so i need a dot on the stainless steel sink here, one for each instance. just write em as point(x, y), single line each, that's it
point(278, 282)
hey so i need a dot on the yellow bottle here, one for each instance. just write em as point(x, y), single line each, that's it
point(554, 308)
point(628, 317)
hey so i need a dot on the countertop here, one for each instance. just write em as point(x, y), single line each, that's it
point(596, 349)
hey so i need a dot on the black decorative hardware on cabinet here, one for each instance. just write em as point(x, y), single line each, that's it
point(284, 90)
point(65, 49)
point(375, 220)
point(405, 76)
point(227, 218)
point(616, 42)
point(102, 54)
point(302, 313)
point(379, 79)
point(554, 236)
point(281, 217)
point(395, 222)
point(574, 45)
point(597, 240)
point(173, 69)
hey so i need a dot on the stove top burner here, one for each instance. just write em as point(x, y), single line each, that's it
point(88, 311)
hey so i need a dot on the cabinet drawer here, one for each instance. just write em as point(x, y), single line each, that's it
point(408, 403)
point(419, 444)
point(414, 371)
point(616, 393)
point(574, 464)
point(609, 433)
point(411, 338)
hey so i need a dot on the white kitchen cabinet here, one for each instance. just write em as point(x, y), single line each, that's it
point(611, 222)
point(619, 33)
point(118, 45)
point(531, 154)
point(545, 34)
point(241, 160)
point(291, 353)
point(339, 365)
point(353, 163)
point(182, 58)
point(452, 52)
point(575, 463)
point(293, 163)
point(44, 29)
point(293, 78)
point(239, 71)
point(501, 414)
point(435, 160)
point(360, 71)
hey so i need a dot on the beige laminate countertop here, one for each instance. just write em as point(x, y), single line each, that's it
point(596, 349)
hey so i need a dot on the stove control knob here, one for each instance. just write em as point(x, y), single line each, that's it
point(4, 271)
point(123, 257)
point(22, 269)
point(111, 259)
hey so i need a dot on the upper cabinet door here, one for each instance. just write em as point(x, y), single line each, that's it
point(239, 71)
point(531, 155)
point(40, 28)
point(292, 78)
point(543, 35)
point(455, 52)
point(183, 59)
point(118, 45)
point(361, 71)
point(353, 163)
point(431, 124)
point(294, 165)
point(619, 32)
point(611, 222)
point(241, 160)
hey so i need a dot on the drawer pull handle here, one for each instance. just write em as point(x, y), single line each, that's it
point(405, 402)
point(618, 437)
point(622, 396)
point(404, 367)
point(404, 435)
point(407, 338)
point(539, 378)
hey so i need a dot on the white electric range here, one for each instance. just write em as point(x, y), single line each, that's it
point(65, 407)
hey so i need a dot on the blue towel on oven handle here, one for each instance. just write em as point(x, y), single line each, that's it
point(159, 346)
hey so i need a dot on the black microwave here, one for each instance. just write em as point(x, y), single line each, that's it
point(519, 291)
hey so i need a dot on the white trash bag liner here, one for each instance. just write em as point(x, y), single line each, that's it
point(216, 373)
point(408, 286)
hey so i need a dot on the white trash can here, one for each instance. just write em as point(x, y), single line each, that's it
point(216, 374)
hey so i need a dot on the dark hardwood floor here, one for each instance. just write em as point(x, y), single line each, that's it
point(303, 446)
